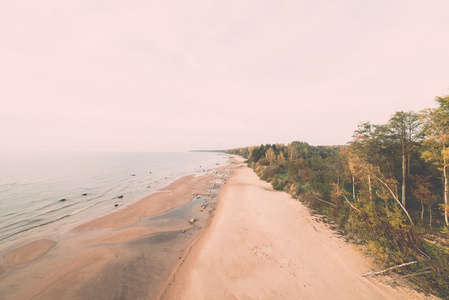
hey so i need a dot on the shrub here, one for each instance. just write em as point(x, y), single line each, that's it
point(269, 172)
point(278, 184)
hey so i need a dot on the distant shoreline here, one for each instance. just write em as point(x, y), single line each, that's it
point(220, 151)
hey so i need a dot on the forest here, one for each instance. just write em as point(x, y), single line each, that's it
point(387, 189)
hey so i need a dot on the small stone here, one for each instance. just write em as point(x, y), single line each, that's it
point(84, 194)
point(193, 220)
point(116, 205)
point(63, 199)
point(120, 197)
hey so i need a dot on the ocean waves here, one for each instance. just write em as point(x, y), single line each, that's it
point(38, 190)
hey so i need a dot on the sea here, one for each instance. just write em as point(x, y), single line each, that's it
point(42, 190)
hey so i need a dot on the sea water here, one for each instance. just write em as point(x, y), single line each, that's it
point(39, 190)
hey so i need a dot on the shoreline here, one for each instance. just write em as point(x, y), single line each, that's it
point(93, 187)
point(91, 253)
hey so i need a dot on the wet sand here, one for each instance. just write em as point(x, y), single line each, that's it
point(28, 252)
point(263, 244)
point(128, 254)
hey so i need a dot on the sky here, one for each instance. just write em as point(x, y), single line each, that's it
point(105, 75)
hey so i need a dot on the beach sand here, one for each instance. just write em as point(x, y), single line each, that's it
point(259, 244)
point(128, 254)
point(263, 244)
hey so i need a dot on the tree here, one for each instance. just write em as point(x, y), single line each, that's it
point(436, 129)
point(423, 192)
point(271, 156)
point(281, 158)
point(388, 184)
point(404, 127)
point(292, 151)
point(257, 153)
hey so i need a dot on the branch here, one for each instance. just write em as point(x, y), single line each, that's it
point(350, 203)
point(398, 266)
point(392, 193)
point(324, 201)
point(427, 256)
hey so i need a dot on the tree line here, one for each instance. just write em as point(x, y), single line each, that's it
point(388, 187)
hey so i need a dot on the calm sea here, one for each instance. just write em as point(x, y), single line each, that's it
point(38, 190)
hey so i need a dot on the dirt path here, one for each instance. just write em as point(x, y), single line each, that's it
point(263, 244)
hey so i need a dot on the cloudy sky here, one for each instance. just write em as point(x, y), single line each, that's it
point(179, 75)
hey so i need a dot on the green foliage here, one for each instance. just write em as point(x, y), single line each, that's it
point(269, 172)
point(303, 188)
point(436, 280)
point(278, 184)
point(397, 219)
point(263, 162)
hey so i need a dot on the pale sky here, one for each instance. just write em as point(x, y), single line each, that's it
point(179, 75)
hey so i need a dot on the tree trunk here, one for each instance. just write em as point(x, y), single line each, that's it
point(370, 192)
point(445, 190)
point(430, 215)
point(422, 210)
point(404, 172)
point(408, 164)
point(353, 187)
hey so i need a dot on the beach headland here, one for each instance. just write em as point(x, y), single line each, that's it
point(128, 254)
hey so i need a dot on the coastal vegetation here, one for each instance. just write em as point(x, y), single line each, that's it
point(387, 188)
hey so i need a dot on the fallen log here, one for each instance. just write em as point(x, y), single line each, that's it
point(350, 203)
point(324, 201)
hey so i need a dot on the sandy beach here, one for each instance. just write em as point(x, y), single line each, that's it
point(263, 244)
point(129, 254)
point(249, 242)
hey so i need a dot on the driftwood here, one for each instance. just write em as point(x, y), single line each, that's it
point(394, 267)
point(316, 198)
point(350, 203)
